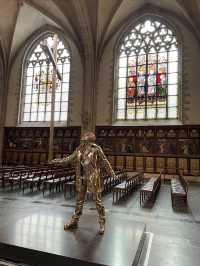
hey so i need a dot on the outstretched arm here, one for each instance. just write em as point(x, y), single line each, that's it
point(105, 162)
point(65, 161)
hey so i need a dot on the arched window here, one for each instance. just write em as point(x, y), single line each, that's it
point(147, 80)
point(38, 80)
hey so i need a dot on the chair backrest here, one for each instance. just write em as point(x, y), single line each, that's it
point(184, 183)
point(157, 182)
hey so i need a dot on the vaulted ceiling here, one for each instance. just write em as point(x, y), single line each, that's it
point(89, 23)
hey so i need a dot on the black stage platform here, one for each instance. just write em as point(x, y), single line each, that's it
point(39, 239)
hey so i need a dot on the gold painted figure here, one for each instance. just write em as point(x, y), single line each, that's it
point(88, 159)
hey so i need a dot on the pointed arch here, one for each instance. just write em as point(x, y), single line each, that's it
point(148, 71)
point(37, 79)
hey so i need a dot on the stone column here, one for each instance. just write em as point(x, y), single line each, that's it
point(2, 110)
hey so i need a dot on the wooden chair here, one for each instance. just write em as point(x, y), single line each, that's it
point(149, 191)
point(179, 190)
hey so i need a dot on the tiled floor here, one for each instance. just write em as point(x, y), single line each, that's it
point(173, 237)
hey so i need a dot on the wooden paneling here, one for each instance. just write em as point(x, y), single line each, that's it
point(120, 162)
point(160, 165)
point(139, 164)
point(129, 163)
point(195, 166)
point(152, 148)
point(149, 164)
point(30, 145)
point(183, 164)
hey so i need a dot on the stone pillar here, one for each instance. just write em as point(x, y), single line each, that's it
point(3, 100)
point(88, 43)
point(88, 111)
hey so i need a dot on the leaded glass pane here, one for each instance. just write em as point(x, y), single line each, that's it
point(33, 116)
point(48, 96)
point(152, 68)
point(172, 112)
point(58, 97)
point(130, 113)
point(162, 57)
point(48, 107)
point(56, 116)
point(151, 113)
point(41, 107)
point(27, 98)
point(123, 62)
point(120, 114)
point(28, 89)
point(65, 95)
point(57, 106)
point(48, 116)
point(26, 117)
point(121, 93)
point(29, 81)
point(172, 78)
point(161, 113)
point(64, 106)
point(132, 61)
point(172, 101)
point(122, 83)
point(140, 113)
point(34, 107)
point(173, 67)
point(40, 116)
point(173, 55)
point(172, 89)
point(122, 72)
point(121, 104)
point(63, 116)
point(152, 58)
point(151, 80)
point(148, 73)
point(27, 108)
point(38, 82)
point(42, 97)
point(66, 77)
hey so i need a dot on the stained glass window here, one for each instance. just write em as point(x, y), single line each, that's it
point(38, 81)
point(147, 84)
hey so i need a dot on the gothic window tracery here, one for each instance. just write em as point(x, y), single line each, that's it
point(147, 83)
point(38, 81)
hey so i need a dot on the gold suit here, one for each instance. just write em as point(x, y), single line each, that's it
point(88, 159)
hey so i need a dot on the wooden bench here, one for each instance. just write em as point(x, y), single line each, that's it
point(149, 191)
point(179, 190)
point(127, 186)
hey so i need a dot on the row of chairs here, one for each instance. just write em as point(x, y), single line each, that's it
point(127, 185)
point(179, 191)
point(109, 182)
point(149, 191)
point(8, 171)
point(31, 177)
